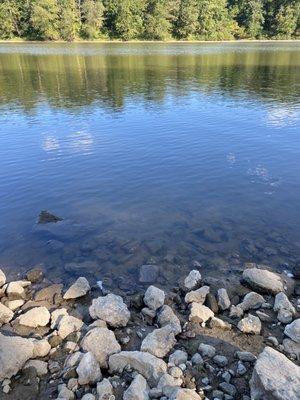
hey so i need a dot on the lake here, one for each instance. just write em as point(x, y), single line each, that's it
point(167, 154)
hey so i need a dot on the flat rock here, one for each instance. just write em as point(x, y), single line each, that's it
point(40, 366)
point(14, 352)
point(38, 316)
point(200, 313)
point(138, 389)
point(154, 297)
point(148, 273)
point(6, 314)
point(88, 370)
point(293, 330)
point(46, 217)
point(159, 342)
point(79, 288)
point(110, 308)
point(197, 296)
point(275, 377)
point(151, 367)
point(102, 343)
point(263, 280)
point(49, 293)
point(250, 324)
point(192, 280)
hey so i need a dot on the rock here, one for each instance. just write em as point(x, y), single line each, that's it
point(192, 280)
point(228, 388)
point(104, 390)
point(102, 343)
point(211, 302)
point(14, 352)
point(110, 308)
point(221, 361)
point(138, 389)
point(285, 316)
point(40, 366)
point(275, 377)
point(45, 217)
point(166, 316)
point(206, 350)
point(241, 369)
point(178, 357)
point(282, 303)
point(67, 325)
point(49, 293)
point(154, 297)
point(38, 316)
point(148, 273)
point(197, 359)
point(65, 393)
point(88, 396)
point(263, 280)
point(17, 289)
point(250, 324)
point(88, 370)
point(223, 299)
point(41, 348)
point(251, 301)
point(293, 330)
point(263, 316)
point(159, 342)
point(80, 288)
point(197, 296)
point(35, 275)
point(2, 278)
point(151, 367)
point(200, 313)
point(182, 394)
point(296, 271)
point(168, 380)
point(236, 312)
point(219, 324)
point(56, 317)
point(291, 348)
point(246, 356)
point(6, 314)
point(14, 304)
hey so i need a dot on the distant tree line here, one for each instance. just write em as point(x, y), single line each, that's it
point(149, 19)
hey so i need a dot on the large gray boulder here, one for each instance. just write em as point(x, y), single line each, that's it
point(151, 367)
point(102, 343)
point(14, 352)
point(159, 342)
point(88, 370)
point(275, 377)
point(112, 309)
point(263, 280)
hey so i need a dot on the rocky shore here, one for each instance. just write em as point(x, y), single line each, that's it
point(196, 341)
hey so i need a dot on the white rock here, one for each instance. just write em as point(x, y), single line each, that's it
point(166, 316)
point(236, 312)
point(2, 278)
point(275, 377)
point(200, 313)
point(73, 360)
point(67, 325)
point(193, 279)
point(6, 314)
point(102, 343)
point(223, 299)
point(293, 330)
point(251, 301)
point(16, 288)
point(154, 297)
point(168, 380)
point(285, 316)
point(182, 394)
point(37, 316)
point(291, 348)
point(40, 366)
point(219, 323)
point(88, 396)
point(65, 393)
point(151, 367)
point(250, 324)
point(138, 389)
point(104, 389)
point(111, 309)
point(159, 342)
point(88, 370)
point(178, 357)
point(80, 288)
point(282, 303)
point(56, 316)
point(41, 348)
point(14, 352)
point(197, 296)
point(14, 304)
point(263, 280)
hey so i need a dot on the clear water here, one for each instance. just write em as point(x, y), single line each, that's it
point(151, 153)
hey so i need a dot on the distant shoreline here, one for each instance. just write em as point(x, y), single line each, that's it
point(103, 41)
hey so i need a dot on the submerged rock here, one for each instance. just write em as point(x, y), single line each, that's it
point(148, 273)
point(263, 280)
point(110, 308)
point(275, 377)
point(45, 217)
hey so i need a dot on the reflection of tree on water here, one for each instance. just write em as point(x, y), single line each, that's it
point(76, 80)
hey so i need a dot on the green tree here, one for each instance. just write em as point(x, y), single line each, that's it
point(45, 19)
point(9, 16)
point(92, 18)
point(251, 17)
point(286, 21)
point(69, 19)
point(157, 24)
point(187, 21)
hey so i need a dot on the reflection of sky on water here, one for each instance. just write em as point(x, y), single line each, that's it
point(78, 142)
point(282, 116)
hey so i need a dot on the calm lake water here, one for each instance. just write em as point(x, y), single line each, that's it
point(151, 153)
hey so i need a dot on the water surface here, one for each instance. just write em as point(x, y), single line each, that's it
point(151, 153)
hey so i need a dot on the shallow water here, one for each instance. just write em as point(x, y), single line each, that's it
point(151, 153)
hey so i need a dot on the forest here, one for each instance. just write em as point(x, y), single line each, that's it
point(125, 20)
